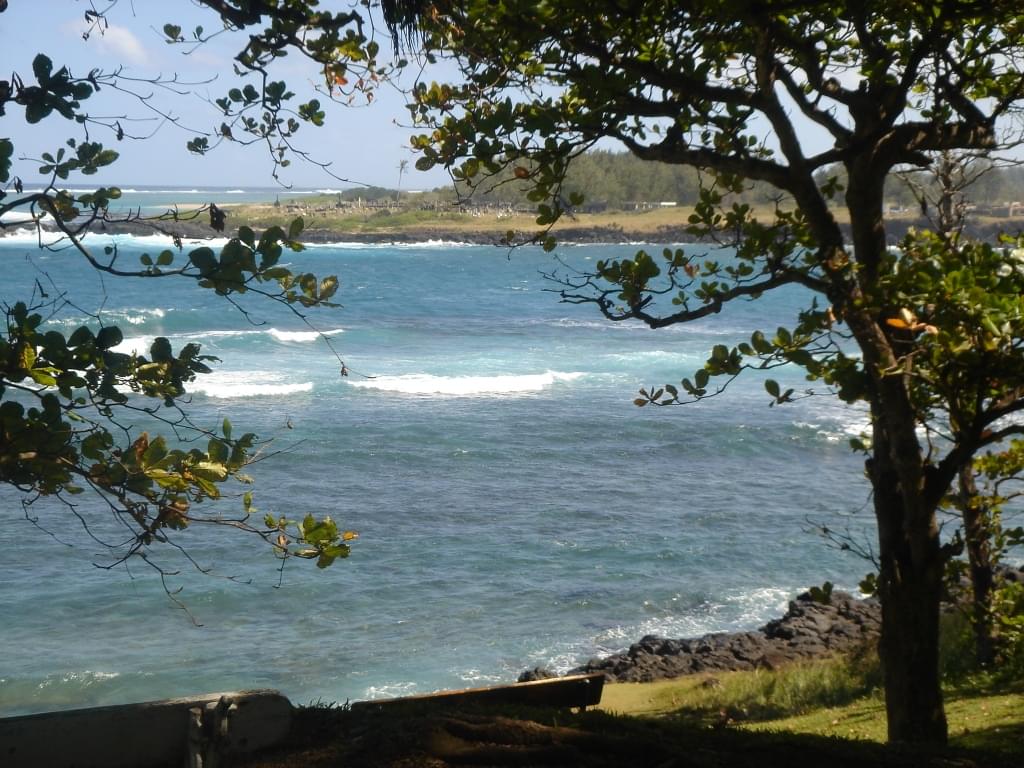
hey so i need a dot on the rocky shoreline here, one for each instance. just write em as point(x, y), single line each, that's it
point(199, 229)
point(808, 630)
point(580, 235)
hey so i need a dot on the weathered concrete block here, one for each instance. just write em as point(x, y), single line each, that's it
point(145, 735)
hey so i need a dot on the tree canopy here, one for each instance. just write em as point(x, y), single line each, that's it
point(928, 335)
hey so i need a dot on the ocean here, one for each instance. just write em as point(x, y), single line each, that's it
point(514, 507)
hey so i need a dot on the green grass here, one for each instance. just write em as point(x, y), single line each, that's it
point(758, 695)
point(833, 698)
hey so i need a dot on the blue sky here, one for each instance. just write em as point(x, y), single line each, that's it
point(364, 144)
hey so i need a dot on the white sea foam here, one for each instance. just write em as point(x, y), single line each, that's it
point(27, 236)
point(302, 335)
point(421, 244)
point(655, 355)
point(135, 345)
point(734, 612)
point(466, 386)
point(390, 690)
point(224, 385)
point(155, 240)
point(16, 217)
point(596, 324)
point(756, 606)
point(835, 422)
point(477, 677)
point(222, 334)
point(135, 316)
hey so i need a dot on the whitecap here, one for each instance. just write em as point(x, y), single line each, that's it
point(227, 386)
point(134, 316)
point(419, 244)
point(221, 334)
point(302, 335)
point(135, 345)
point(390, 690)
point(466, 386)
point(31, 236)
point(16, 217)
point(477, 677)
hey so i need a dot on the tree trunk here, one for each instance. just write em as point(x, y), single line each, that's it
point(910, 588)
point(978, 541)
point(910, 558)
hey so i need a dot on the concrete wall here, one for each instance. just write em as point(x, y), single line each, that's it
point(155, 733)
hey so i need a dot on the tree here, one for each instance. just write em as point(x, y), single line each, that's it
point(65, 399)
point(941, 192)
point(982, 492)
point(403, 165)
point(772, 94)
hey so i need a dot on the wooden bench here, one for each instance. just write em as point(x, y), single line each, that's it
point(580, 691)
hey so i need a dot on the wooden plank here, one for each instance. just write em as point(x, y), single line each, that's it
point(557, 692)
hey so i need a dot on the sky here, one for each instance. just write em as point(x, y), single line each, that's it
point(363, 144)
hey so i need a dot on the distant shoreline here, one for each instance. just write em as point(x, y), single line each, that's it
point(640, 228)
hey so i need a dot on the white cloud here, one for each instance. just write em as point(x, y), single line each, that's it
point(125, 44)
point(117, 42)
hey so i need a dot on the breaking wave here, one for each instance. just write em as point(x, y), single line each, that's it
point(466, 386)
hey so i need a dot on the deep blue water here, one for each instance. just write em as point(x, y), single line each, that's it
point(514, 507)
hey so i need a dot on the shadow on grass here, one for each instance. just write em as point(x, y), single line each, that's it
point(419, 736)
point(1006, 739)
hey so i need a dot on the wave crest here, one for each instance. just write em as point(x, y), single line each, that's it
point(466, 386)
point(302, 335)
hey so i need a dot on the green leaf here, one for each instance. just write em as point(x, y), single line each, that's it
point(81, 335)
point(108, 337)
point(247, 236)
point(204, 260)
point(160, 350)
point(43, 376)
point(217, 451)
point(6, 153)
point(210, 470)
point(156, 451)
point(42, 67)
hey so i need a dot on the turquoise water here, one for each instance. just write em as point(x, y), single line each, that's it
point(514, 507)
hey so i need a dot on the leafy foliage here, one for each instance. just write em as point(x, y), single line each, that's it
point(64, 396)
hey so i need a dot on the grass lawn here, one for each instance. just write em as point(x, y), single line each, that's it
point(981, 716)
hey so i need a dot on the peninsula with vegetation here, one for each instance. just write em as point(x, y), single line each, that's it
point(621, 199)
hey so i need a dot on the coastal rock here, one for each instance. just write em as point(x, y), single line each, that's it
point(1016, 575)
point(537, 673)
point(808, 630)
